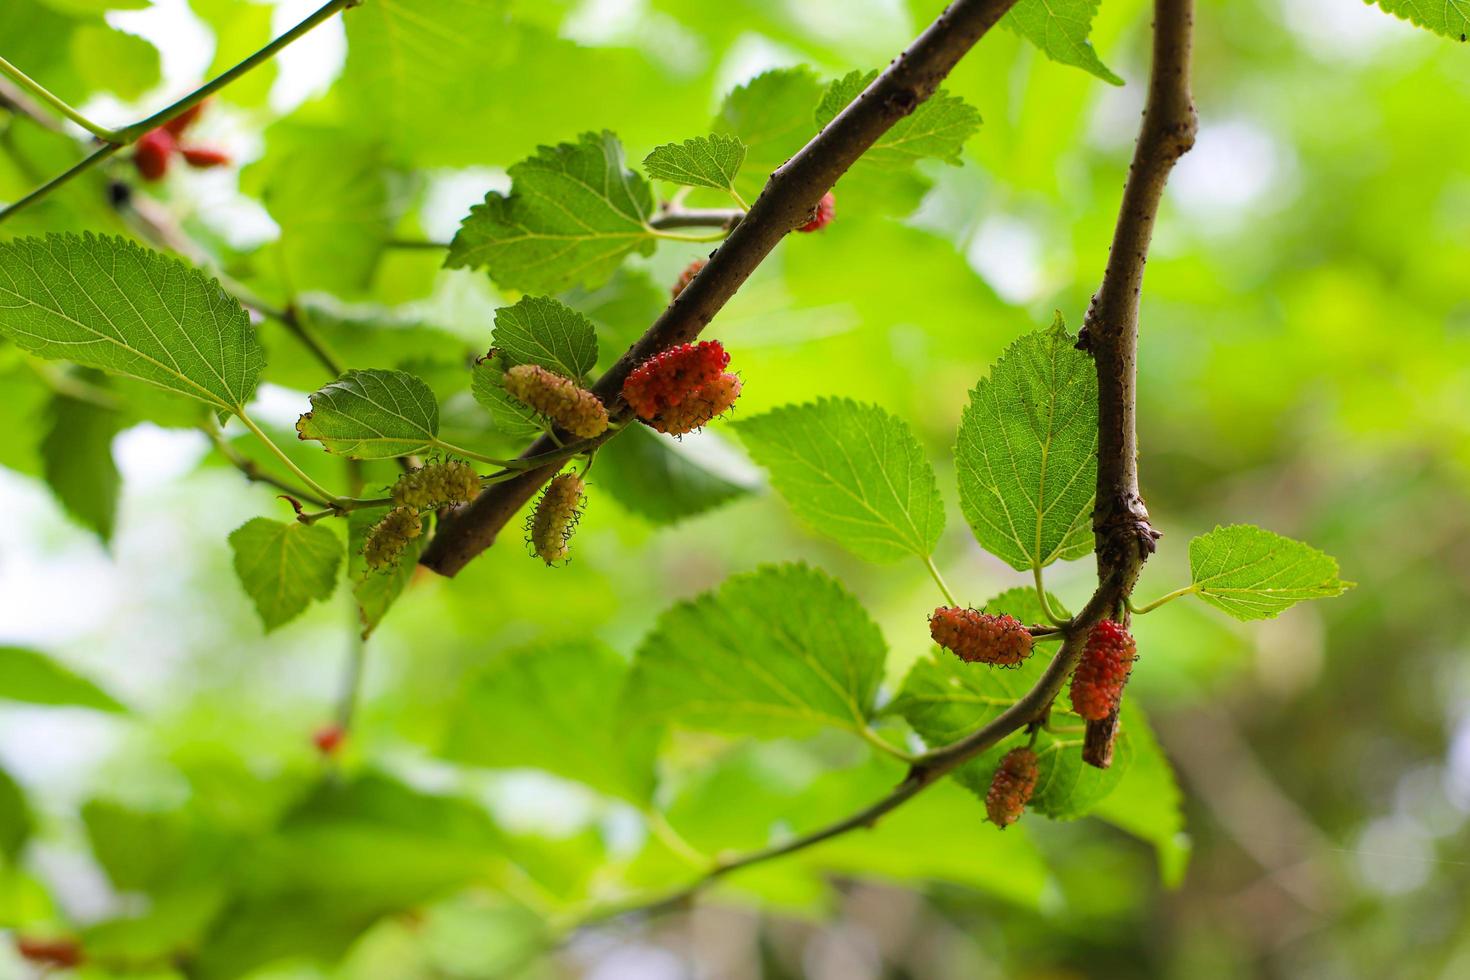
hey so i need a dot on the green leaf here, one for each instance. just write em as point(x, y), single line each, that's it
point(554, 706)
point(1147, 802)
point(15, 818)
point(148, 850)
point(1060, 28)
point(509, 415)
point(1450, 18)
point(240, 30)
point(573, 214)
point(283, 567)
point(1026, 458)
point(327, 189)
point(35, 678)
point(373, 415)
point(376, 591)
point(76, 454)
point(772, 115)
point(779, 651)
point(938, 128)
point(114, 61)
point(659, 479)
point(106, 303)
point(705, 161)
point(1251, 573)
point(852, 471)
point(85, 7)
point(540, 330)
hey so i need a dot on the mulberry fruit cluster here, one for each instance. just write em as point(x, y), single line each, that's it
point(1011, 787)
point(822, 214)
point(560, 399)
point(156, 148)
point(387, 538)
point(436, 485)
point(1097, 684)
point(555, 517)
point(976, 637)
point(687, 276)
point(682, 388)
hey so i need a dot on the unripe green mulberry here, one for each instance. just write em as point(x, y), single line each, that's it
point(976, 637)
point(555, 517)
point(560, 399)
point(387, 539)
point(1011, 787)
point(437, 485)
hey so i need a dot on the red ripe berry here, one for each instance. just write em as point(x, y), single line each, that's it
point(1011, 787)
point(61, 953)
point(822, 214)
point(666, 379)
point(700, 406)
point(329, 738)
point(185, 119)
point(976, 637)
point(203, 157)
point(1097, 685)
point(152, 152)
point(687, 276)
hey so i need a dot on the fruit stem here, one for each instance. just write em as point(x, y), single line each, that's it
point(315, 487)
point(468, 454)
point(45, 95)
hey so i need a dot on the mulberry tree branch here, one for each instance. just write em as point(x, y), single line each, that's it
point(786, 203)
point(1123, 535)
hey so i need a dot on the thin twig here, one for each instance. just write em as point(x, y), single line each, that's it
point(1122, 547)
point(60, 180)
point(14, 99)
point(252, 470)
point(726, 218)
point(41, 92)
point(786, 203)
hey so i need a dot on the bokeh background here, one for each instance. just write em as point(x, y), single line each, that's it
point(1305, 366)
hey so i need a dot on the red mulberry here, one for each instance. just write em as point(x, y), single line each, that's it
point(822, 214)
point(437, 485)
point(152, 152)
point(555, 517)
point(1011, 787)
point(204, 157)
point(560, 399)
point(1097, 685)
point(976, 637)
point(387, 539)
point(185, 119)
point(687, 276)
point(700, 406)
point(328, 739)
point(683, 388)
point(58, 953)
point(665, 379)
